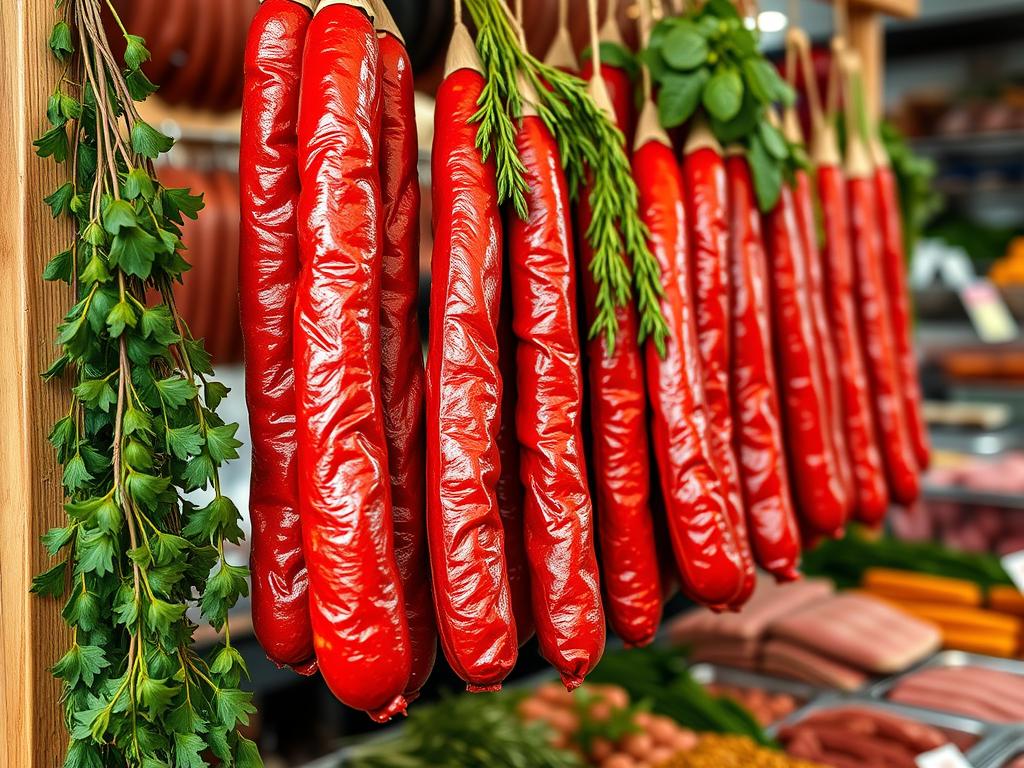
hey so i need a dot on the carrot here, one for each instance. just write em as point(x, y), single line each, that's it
point(955, 618)
point(983, 642)
point(905, 585)
point(1006, 600)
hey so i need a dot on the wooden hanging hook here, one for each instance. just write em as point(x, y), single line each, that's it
point(561, 54)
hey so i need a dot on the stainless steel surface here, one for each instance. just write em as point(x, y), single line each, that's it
point(711, 674)
point(881, 689)
point(1003, 750)
point(959, 495)
point(988, 737)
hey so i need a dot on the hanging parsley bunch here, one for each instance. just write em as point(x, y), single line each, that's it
point(141, 431)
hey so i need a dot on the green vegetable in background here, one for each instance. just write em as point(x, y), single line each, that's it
point(708, 60)
point(661, 679)
point(844, 561)
point(462, 731)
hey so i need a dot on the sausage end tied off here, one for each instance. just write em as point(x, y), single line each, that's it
point(356, 602)
point(402, 376)
point(709, 564)
point(269, 268)
point(464, 393)
point(557, 510)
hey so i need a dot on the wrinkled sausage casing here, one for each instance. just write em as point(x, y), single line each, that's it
point(704, 175)
point(358, 613)
point(760, 444)
point(557, 512)
point(898, 457)
point(872, 494)
point(402, 377)
point(622, 470)
point(824, 337)
point(895, 271)
point(820, 507)
point(510, 486)
point(269, 269)
point(464, 392)
point(708, 562)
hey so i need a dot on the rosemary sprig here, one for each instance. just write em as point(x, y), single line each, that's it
point(140, 432)
point(591, 148)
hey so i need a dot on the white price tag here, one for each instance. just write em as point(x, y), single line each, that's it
point(948, 756)
point(1013, 564)
point(988, 313)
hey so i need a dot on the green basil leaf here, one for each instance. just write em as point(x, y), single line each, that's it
point(685, 48)
point(679, 97)
point(723, 95)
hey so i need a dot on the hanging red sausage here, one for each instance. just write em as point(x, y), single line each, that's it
point(269, 268)
point(708, 561)
point(557, 510)
point(871, 500)
point(510, 486)
point(402, 378)
point(895, 271)
point(704, 175)
point(820, 507)
point(464, 389)
point(760, 445)
point(621, 467)
point(358, 613)
point(823, 335)
point(901, 466)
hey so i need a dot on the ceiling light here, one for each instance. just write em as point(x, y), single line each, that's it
point(772, 21)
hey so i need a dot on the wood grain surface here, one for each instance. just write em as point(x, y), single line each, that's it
point(32, 636)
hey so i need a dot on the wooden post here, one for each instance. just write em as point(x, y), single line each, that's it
point(32, 635)
point(867, 36)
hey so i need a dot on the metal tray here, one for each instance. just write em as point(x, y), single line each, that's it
point(709, 674)
point(1003, 750)
point(881, 689)
point(988, 736)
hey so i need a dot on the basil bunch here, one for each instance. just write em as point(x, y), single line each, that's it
point(709, 59)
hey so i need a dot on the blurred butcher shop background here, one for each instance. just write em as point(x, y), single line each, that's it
point(954, 89)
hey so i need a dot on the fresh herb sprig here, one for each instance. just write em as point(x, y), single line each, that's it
point(591, 147)
point(709, 60)
point(482, 729)
point(141, 431)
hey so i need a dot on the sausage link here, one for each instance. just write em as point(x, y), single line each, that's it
point(872, 495)
point(706, 556)
point(823, 335)
point(898, 457)
point(557, 512)
point(402, 377)
point(704, 176)
point(464, 395)
point(774, 534)
point(895, 270)
point(269, 269)
point(510, 486)
point(820, 507)
point(356, 604)
point(622, 471)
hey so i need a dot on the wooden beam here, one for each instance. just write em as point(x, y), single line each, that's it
point(32, 635)
point(904, 9)
point(867, 37)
